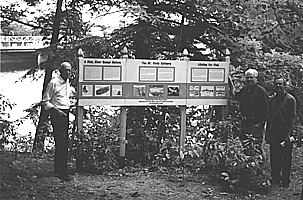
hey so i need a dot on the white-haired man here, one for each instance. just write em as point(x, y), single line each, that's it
point(56, 100)
point(253, 100)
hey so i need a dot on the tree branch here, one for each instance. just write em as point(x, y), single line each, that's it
point(281, 24)
point(24, 23)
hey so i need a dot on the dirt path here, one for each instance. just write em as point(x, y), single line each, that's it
point(32, 178)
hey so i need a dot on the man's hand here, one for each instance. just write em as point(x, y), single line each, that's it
point(287, 139)
point(267, 139)
point(231, 87)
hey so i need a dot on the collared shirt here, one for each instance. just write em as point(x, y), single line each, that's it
point(57, 94)
point(253, 104)
point(283, 109)
point(281, 113)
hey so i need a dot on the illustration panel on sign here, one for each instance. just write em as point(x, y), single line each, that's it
point(166, 74)
point(207, 91)
point(220, 91)
point(102, 90)
point(139, 90)
point(198, 74)
point(111, 73)
point(148, 74)
point(216, 75)
point(156, 90)
point(194, 90)
point(173, 90)
point(117, 90)
point(92, 73)
point(87, 90)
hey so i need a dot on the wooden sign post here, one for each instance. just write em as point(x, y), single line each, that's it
point(133, 82)
point(122, 136)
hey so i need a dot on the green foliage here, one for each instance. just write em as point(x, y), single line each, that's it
point(213, 147)
point(270, 65)
point(148, 128)
point(6, 127)
point(257, 34)
point(100, 139)
point(162, 29)
point(11, 12)
point(11, 29)
point(9, 139)
point(153, 140)
point(210, 146)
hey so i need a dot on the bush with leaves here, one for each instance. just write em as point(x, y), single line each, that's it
point(271, 64)
point(9, 139)
point(100, 139)
point(149, 129)
point(211, 145)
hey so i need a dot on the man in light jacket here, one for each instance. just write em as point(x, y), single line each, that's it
point(56, 100)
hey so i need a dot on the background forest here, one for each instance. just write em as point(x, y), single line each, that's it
point(262, 34)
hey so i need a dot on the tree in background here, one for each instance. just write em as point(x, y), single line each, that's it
point(261, 34)
point(65, 27)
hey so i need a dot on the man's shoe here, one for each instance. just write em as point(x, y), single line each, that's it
point(285, 185)
point(69, 173)
point(65, 178)
point(275, 182)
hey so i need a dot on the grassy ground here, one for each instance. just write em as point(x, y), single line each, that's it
point(24, 176)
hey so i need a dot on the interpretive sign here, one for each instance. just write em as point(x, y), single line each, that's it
point(131, 82)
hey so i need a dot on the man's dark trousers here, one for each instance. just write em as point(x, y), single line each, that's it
point(60, 131)
point(280, 161)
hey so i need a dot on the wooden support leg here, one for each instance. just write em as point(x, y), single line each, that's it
point(121, 161)
point(79, 156)
point(224, 111)
point(183, 125)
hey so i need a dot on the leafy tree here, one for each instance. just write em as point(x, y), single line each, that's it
point(11, 29)
point(256, 32)
point(65, 26)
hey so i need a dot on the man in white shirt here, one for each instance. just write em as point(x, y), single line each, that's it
point(56, 100)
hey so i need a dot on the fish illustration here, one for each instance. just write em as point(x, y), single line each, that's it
point(194, 93)
point(207, 90)
point(156, 91)
point(102, 90)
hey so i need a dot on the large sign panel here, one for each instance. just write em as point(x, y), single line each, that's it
point(129, 82)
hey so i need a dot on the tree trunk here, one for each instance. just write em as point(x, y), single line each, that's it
point(39, 136)
point(57, 20)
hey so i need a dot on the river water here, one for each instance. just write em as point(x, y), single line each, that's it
point(23, 94)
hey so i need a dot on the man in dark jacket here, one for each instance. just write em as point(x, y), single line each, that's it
point(253, 100)
point(281, 119)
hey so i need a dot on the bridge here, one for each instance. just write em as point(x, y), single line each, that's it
point(19, 52)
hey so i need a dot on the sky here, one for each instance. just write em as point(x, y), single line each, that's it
point(21, 89)
point(111, 21)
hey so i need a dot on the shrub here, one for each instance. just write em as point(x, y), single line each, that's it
point(9, 139)
point(100, 139)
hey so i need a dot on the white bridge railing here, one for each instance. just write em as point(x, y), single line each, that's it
point(22, 42)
